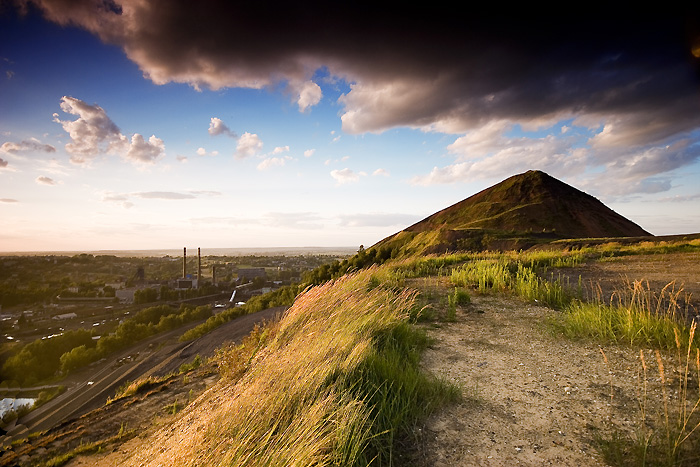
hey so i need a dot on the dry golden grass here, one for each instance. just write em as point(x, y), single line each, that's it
point(290, 405)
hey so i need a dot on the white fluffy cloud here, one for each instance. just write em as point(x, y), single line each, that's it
point(382, 172)
point(309, 94)
point(271, 162)
point(490, 153)
point(218, 127)
point(309, 152)
point(249, 144)
point(30, 145)
point(203, 152)
point(144, 151)
point(93, 133)
point(42, 180)
point(346, 176)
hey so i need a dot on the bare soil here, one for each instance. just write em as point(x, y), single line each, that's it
point(532, 397)
point(529, 397)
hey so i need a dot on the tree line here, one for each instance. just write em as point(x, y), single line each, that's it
point(46, 358)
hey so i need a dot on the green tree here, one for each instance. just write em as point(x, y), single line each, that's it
point(78, 357)
point(40, 360)
point(147, 295)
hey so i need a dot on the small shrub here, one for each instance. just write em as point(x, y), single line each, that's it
point(641, 316)
point(193, 365)
point(668, 432)
point(174, 408)
point(131, 388)
point(461, 297)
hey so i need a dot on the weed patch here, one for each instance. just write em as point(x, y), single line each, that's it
point(639, 317)
point(667, 429)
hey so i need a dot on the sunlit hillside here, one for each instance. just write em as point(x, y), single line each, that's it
point(333, 383)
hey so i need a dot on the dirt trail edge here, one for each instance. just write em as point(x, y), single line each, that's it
point(530, 398)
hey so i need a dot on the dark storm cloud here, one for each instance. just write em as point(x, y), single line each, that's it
point(634, 80)
point(414, 66)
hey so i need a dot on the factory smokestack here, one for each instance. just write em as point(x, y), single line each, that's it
point(184, 262)
point(199, 265)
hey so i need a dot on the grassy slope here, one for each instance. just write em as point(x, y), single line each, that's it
point(333, 383)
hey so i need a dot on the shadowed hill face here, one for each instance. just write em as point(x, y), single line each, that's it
point(528, 204)
point(533, 202)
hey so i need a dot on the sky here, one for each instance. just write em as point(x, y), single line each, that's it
point(152, 124)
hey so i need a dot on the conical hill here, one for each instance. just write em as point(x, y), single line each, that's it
point(525, 207)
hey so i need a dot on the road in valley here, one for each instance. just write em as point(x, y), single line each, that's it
point(158, 355)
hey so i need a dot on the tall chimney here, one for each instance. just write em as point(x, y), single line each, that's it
point(199, 265)
point(184, 262)
point(213, 274)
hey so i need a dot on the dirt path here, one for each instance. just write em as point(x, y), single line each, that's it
point(530, 398)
